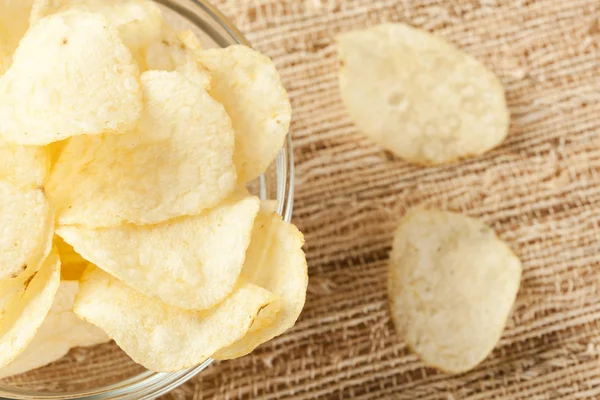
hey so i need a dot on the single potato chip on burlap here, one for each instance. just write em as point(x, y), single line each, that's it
point(248, 85)
point(14, 16)
point(139, 21)
point(419, 96)
point(20, 322)
point(274, 261)
point(26, 223)
point(161, 337)
point(177, 162)
point(71, 75)
point(72, 264)
point(190, 262)
point(61, 331)
point(452, 286)
point(24, 166)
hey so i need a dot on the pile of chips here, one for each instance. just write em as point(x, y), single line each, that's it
point(125, 150)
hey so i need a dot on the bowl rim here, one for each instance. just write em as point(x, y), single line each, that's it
point(148, 384)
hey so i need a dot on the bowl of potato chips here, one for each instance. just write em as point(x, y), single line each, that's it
point(146, 193)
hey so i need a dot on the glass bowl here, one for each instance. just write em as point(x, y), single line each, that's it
point(104, 371)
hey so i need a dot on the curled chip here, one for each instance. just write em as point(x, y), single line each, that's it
point(139, 21)
point(72, 265)
point(276, 262)
point(190, 262)
point(160, 337)
point(71, 75)
point(248, 85)
point(61, 331)
point(20, 322)
point(24, 166)
point(14, 15)
point(419, 96)
point(26, 223)
point(177, 162)
point(452, 286)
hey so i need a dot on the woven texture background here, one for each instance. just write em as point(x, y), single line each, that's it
point(540, 190)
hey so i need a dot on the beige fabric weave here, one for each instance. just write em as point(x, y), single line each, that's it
point(540, 190)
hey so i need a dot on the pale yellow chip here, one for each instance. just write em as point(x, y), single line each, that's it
point(72, 264)
point(419, 96)
point(167, 53)
point(178, 161)
point(154, 44)
point(453, 283)
point(24, 166)
point(20, 322)
point(174, 51)
point(71, 75)
point(276, 262)
point(14, 15)
point(190, 262)
point(139, 21)
point(26, 223)
point(248, 85)
point(161, 337)
point(61, 331)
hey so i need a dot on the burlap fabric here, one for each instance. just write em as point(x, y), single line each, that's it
point(540, 190)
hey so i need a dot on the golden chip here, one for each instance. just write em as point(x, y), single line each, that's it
point(26, 223)
point(61, 331)
point(20, 322)
point(276, 262)
point(72, 264)
point(139, 21)
point(71, 75)
point(453, 283)
point(161, 337)
point(248, 85)
point(420, 97)
point(190, 262)
point(177, 162)
point(14, 15)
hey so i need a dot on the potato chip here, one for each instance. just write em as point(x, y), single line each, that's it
point(54, 150)
point(72, 264)
point(276, 262)
point(190, 262)
point(453, 283)
point(139, 21)
point(167, 53)
point(24, 166)
point(61, 331)
point(248, 85)
point(26, 223)
point(190, 40)
point(420, 97)
point(20, 322)
point(14, 15)
point(161, 337)
point(177, 52)
point(71, 75)
point(178, 161)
